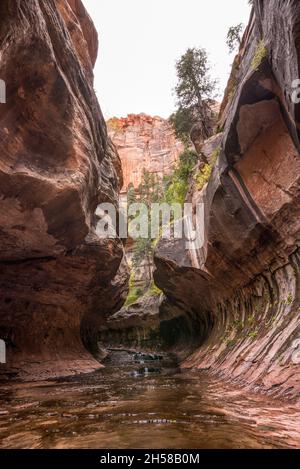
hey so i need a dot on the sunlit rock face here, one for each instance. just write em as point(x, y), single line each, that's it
point(144, 142)
point(243, 285)
point(56, 165)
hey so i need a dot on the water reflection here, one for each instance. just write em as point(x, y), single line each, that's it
point(143, 402)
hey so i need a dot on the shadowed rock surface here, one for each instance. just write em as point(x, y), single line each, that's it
point(57, 278)
point(134, 326)
point(149, 324)
point(243, 285)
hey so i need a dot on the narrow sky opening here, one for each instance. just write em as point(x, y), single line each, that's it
point(140, 41)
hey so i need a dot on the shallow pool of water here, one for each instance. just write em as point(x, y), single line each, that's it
point(143, 402)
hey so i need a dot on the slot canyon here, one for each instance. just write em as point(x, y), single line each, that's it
point(182, 348)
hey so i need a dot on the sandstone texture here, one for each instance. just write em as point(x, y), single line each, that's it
point(57, 277)
point(144, 142)
point(242, 286)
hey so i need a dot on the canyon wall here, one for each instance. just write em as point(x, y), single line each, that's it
point(242, 287)
point(144, 142)
point(58, 279)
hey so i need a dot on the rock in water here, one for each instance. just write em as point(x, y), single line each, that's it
point(242, 286)
point(57, 278)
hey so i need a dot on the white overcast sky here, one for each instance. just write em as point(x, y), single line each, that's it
point(140, 41)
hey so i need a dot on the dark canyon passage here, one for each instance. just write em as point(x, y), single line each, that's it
point(226, 314)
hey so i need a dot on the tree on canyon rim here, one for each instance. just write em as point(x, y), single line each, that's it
point(194, 91)
point(234, 37)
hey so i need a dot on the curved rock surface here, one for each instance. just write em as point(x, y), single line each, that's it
point(134, 326)
point(150, 324)
point(56, 165)
point(243, 285)
point(87, 29)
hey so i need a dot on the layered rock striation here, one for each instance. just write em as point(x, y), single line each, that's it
point(243, 284)
point(57, 277)
point(144, 143)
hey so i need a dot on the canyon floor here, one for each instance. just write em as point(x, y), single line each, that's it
point(143, 401)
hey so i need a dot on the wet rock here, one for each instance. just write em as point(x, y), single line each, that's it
point(147, 357)
point(145, 371)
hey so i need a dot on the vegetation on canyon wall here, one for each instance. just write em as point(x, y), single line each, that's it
point(201, 177)
point(176, 185)
point(195, 90)
point(260, 54)
point(172, 189)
